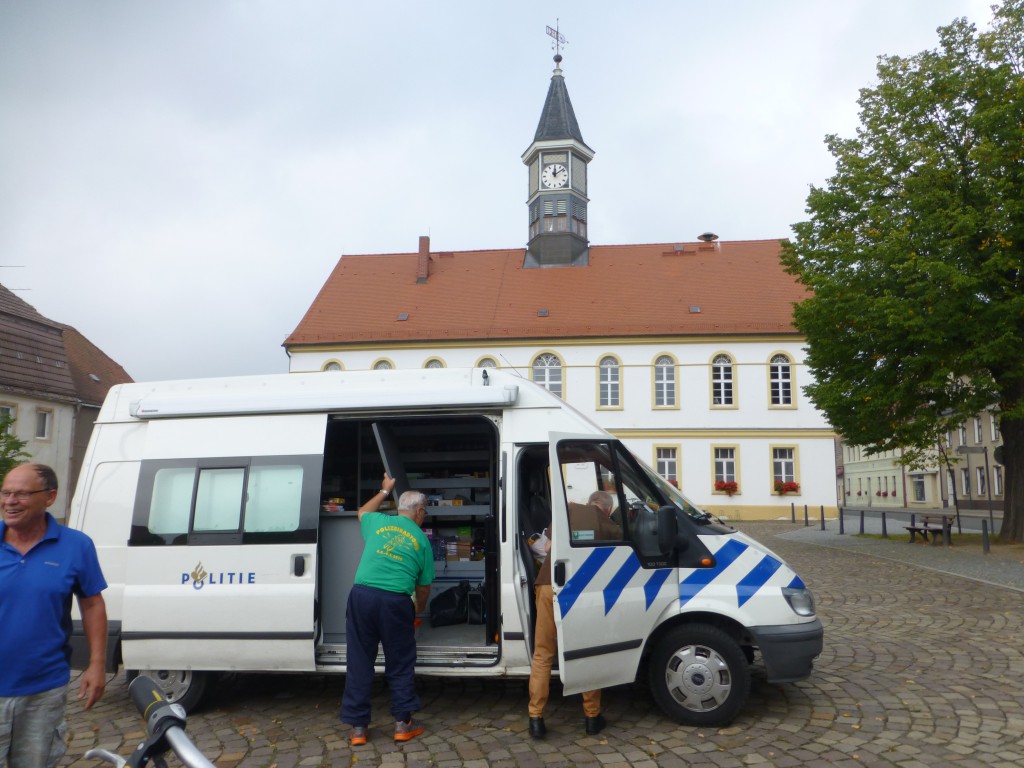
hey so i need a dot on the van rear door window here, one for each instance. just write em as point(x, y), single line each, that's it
point(271, 500)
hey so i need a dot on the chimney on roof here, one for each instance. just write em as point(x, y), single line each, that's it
point(423, 262)
point(707, 237)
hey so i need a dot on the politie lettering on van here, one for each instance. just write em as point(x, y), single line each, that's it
point(224, 513)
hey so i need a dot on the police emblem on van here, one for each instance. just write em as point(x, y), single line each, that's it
point(201, 577)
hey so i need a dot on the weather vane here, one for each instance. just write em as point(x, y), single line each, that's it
point(559, 39)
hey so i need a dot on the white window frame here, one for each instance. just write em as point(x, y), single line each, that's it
point(780, 381)
point(666, 462)
point(546, 370)
point(609, 383)
point(997, 481)
point(783, 466)
point(44, 419)
point(918, 488)
point(723, 381)
point(665, 384)
point(982, 490)
point(965, 482)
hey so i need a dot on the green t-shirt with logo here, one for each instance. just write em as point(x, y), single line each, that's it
point(397, 554)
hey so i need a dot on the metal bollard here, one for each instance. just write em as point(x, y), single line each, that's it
point(842, 530)
point(984, 536)
point(862, 522)
point(885, 530)
point(806, 519)
point(792, 511)
point(823, 517)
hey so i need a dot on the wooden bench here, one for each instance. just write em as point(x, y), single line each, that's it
point(937, 524)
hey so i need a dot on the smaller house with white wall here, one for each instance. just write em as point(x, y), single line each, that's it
point(52, 384)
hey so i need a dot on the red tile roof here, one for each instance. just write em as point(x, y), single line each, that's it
point(43, 358)
point(626, 290)
point(91, 369)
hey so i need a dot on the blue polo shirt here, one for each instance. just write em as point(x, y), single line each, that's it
point(35, 606)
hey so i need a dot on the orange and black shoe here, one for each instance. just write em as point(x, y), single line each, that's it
point(359, 735)
point(408, 730)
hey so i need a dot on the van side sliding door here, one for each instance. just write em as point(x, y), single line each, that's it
point(221, 563)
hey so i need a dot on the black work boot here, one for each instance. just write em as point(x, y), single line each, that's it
point(595, 725)
point(537, 729)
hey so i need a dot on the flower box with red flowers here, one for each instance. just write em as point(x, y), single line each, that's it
point(728, 487)
point(788, 486)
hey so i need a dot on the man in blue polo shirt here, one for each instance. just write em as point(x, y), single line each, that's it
point(42, 564)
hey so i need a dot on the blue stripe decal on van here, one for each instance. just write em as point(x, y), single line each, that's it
point(654, 585)
point(757, 578)
point(797, 583)
point(619, 581)
point(578, 582)
point(691, 586)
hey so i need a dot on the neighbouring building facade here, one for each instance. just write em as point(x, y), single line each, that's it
point(971, 478)
point(685, 350)
point(52, 384)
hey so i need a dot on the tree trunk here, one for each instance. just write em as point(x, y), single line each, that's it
point(1012, 431)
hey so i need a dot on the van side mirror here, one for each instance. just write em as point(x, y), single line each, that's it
point(668, 529)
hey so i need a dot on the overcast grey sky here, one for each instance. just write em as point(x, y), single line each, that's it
point(179, 177)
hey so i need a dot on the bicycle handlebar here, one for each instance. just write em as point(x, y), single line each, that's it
point(165, 725)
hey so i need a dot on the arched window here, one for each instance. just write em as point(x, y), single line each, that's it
point(487, 362)
point(547, 371)
point(334, 365)
point(608, 383)
point(781, 380)
point(434, 363)
point(721, 380)
point(664, 382)
point(382, 365)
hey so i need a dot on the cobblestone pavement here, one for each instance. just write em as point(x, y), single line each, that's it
point(921, 667)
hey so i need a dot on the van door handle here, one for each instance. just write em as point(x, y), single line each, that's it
point(299, 565)
point(560, 573)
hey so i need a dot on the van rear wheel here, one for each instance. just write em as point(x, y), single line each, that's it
point(181, 686)
point(699, 675)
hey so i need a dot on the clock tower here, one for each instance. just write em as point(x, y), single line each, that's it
point(557, 163)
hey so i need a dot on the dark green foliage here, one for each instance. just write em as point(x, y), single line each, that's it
point(915, 249)
point(11, 448)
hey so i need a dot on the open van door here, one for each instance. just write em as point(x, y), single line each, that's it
point(606, 601)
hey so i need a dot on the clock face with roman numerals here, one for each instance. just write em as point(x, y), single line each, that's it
point(554, 176)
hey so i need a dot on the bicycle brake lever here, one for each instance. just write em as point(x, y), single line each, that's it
point(106, 756)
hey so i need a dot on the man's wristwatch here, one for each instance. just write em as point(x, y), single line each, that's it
point(383, 491)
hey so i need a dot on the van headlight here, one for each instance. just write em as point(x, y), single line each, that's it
point(800, 600)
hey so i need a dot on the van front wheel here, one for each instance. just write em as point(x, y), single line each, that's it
point(699, 675)
point(181, 686)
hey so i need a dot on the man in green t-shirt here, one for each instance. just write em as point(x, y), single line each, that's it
point(397, 563)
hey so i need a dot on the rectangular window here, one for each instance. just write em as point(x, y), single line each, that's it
point(9, 414)
point(664, 383)
point(963, 434)
point(258, 502)
point(997, 481)
point(949, 439)
point(219, 499)
point(608, 383)
point(725, 465)
point(994, 420)
point(978, 431)
point(781, 381)
point(783, 465)
point(965, 481)
point(917, 486)
point(721, 383)
point(667, 464)
point(982, 491)
point(44, 421)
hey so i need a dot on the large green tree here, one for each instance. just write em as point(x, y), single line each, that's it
point(11, 448)
point(914, 251)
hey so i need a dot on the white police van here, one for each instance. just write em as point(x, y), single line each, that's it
point(224, 512)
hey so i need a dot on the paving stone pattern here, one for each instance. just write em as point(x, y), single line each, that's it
point(923, 667)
